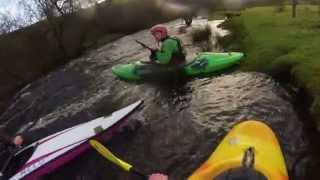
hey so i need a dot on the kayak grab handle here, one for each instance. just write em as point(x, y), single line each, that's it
point(98, 129)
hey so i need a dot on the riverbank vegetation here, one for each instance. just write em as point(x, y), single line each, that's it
point(277, 44)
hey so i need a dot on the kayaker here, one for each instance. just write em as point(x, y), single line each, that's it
point(171, 51)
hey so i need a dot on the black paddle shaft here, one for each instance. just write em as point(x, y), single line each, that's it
point(144, 45)
point(133, 170)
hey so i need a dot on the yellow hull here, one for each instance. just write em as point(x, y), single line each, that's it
point(268, 157)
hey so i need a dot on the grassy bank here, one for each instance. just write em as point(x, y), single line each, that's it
point(284, 47)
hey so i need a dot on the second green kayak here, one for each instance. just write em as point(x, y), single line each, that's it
point(204, 64)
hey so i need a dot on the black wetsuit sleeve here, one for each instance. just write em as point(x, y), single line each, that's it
point(34, 135)
point(28, 138)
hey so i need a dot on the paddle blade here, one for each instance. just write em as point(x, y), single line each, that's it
point(108, 155)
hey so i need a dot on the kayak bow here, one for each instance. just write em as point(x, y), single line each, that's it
point(234, 152)
point(53, 151)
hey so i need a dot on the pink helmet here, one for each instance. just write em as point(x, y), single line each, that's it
point(160, 28)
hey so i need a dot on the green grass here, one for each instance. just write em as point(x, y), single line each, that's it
point(120, 1)
point(217, 15)
point(221, 14)
point(281, 46)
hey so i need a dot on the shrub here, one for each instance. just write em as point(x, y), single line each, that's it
point(201, 34)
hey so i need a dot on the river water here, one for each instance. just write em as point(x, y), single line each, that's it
point(179, 125)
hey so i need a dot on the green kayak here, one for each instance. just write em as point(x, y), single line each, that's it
point(205, 63)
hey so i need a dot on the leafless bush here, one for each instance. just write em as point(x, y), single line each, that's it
point(201, 34)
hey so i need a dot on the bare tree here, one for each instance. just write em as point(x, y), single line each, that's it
point(318, 7)
point(294, 8)
point(5, 24)
point(9, 23)
point(30, 12)
point(54, 11)
point(281, 5)
point(57, 7)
